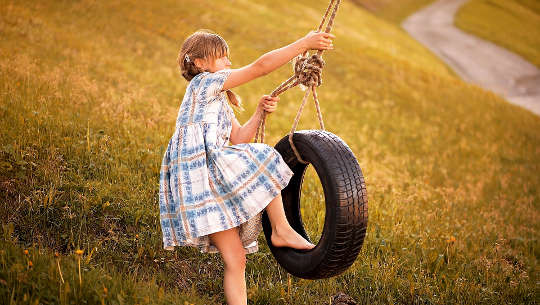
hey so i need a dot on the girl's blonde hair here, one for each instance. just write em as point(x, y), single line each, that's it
point(204, 45)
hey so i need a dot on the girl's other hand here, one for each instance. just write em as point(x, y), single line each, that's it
point(268, 103)
point(319, 41)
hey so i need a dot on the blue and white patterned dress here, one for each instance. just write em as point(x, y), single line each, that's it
point(207, 186)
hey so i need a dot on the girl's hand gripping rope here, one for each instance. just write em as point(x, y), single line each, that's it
point(268, 103)
point(318, 41)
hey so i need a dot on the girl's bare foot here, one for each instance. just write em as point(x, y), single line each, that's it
point(288, 237)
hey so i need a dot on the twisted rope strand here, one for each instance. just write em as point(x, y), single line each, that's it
point(307, 73)
point(319, 113)
point(262, 119)
point(322, 21)
point(330, 22)
point(296, 120)
point(285, 84)
point(326, 15)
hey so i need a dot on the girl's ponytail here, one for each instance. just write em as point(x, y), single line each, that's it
point(235, 100)
point(187, 67)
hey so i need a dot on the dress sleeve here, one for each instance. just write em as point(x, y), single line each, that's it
point(213, 82)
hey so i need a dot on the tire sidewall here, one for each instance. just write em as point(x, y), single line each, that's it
point(304, 263)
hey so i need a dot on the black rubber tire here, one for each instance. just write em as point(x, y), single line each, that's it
point(346, 205)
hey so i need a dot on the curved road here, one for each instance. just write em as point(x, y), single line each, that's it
point(475, 60)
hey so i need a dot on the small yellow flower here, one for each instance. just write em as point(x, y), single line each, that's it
point(79, 252)
point(30, 264)
point(137, 236)
point(451, 240)
point(25, 251)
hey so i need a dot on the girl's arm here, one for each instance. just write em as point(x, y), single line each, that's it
point(245, 133)
point(277, 58)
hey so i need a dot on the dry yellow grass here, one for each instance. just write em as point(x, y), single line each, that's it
point(512, 24)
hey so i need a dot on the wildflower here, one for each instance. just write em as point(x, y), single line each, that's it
point(30, 264)
point(56, 254)
point(451, 240)
point(79, 252)
point(137, 236)
point(25, 252)
point(105, 290)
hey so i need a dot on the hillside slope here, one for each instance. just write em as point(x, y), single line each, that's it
point(90, 93)
point(512, 24)
point(392, 10)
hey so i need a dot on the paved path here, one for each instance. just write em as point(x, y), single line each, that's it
point(475, 60)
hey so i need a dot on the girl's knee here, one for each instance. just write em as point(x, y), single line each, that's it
point(235, 261)
point(230, 246)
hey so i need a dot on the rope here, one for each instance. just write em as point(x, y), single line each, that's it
point(307, 74)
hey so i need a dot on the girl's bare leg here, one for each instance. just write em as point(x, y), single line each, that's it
point(234, 256)
point(283, 235)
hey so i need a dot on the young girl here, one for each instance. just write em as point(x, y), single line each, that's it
point(212, 194)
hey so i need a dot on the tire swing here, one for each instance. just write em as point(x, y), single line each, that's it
point(341, 177)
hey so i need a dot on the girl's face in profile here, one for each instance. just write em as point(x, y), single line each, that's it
point(219, 64)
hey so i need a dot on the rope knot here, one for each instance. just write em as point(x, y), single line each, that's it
point(308, 70)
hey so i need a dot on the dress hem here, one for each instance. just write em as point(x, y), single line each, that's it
point(171, 247)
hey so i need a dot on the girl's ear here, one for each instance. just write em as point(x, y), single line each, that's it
point(200, 63)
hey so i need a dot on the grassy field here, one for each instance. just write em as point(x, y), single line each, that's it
point(89, 96)
point(392, 10)
point(512, 24)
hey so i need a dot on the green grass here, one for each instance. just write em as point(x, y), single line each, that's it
point(512, 24)
point(89, 96)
